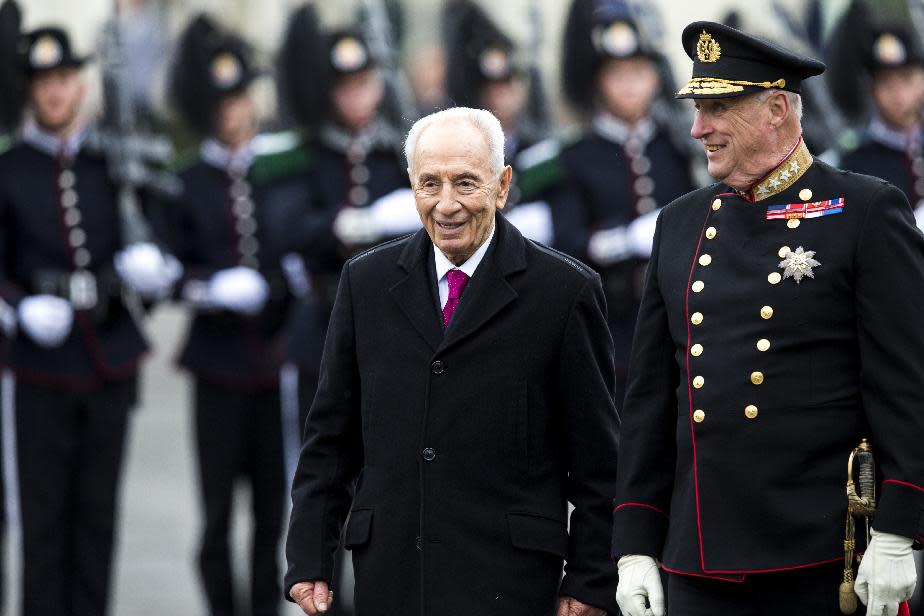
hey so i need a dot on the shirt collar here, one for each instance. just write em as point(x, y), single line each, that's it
point(218, 155)
point(884, 134)
point(443, 264)
point(613, 129)
point(51, 144)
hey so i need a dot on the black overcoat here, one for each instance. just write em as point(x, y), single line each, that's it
point(464, 447)
point(748, 389)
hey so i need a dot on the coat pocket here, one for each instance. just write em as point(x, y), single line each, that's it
point(359, 528)
point(539, 533)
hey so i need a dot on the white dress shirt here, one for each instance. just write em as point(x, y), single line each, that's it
point(443, 265)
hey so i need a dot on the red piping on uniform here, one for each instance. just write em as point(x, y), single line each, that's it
point(736, 580)
point(904, 483)
point(717, 574)
point(652, 507)
point(699, 528)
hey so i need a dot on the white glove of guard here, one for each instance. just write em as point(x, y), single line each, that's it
point(639, 579)
point(640, 234)
point(146, 270)
point(395, 213)
point(239, 289)
point(533, 220)
point(886, 576)
point(46, 319)
point(355, 225)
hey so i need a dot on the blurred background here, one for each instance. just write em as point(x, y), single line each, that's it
point(154, 571)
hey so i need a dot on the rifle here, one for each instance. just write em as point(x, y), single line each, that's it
point(382, 46)
point(130, 154)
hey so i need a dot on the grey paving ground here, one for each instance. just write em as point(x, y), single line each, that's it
point(154, 568)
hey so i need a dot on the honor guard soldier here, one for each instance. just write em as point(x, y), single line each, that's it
point(231, 229)
point(359, 189)
point(892, 143)
point(626, 166)
point(778, 329)
point(75, 287)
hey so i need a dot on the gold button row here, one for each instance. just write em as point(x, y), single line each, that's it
point(750, 411)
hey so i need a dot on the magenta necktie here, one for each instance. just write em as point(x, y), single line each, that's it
point(457, 281)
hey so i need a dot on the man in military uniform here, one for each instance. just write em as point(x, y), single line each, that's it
point(626, 166)
point(893, 140)
point(779, 327)
point(65, 269)
point(231, 228)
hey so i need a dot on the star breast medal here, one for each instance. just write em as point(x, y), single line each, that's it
point(799, 263)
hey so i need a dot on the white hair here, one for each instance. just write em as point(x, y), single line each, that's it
point(481, 119)
point(795, 100)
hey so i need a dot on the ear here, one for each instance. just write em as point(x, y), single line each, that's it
point(779, 109)
point(506, 177)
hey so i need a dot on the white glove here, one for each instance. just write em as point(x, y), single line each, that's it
point(640, 234)
point(46, 319)
point(146, 270)
point(395, 213)
point(239, 289)
point(534, 220)
point(355, 225)
point(639, 579)
point(886, 576)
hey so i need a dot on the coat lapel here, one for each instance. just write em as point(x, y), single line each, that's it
point(413, 293)
point(489, 290)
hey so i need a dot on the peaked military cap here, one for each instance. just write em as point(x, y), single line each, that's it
point(893, 47)
point(48, 48)
point(728, 62)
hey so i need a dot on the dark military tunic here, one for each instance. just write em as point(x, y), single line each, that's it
point(777, 330)
point(894, 156)
point(614, 176)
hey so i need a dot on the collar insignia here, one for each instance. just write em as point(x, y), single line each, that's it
point(786, 173)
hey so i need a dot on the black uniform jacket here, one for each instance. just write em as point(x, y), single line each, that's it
point(748, 390)
point(37, 253)
point(903, 169)
point(464, 447)
point(222, 346)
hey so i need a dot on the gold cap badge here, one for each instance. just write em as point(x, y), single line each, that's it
point(708, 49)
point(494, 63)
point(45, 52)
point(348, 55)
point(226, 70)
point(889, 50)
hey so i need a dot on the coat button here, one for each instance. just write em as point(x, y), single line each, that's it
point(774, 278)
point(698, 382)
point(696, 350)
point(705, 260)
point(757, 377)
point(696, 318)
point(766, 312)
point(750, 411)
point(785, 250)
point(763, 345)
point(429, 454)
point(805, 194)
point(716, 205)
point(792, 223)
point(699, 415)
point(710, 233)
point(698, 286)
point(437, 367)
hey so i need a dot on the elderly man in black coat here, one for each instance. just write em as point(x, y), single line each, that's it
point(465, 398)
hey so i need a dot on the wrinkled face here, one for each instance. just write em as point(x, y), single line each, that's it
point(57, 95)
point(899, 95)
point(237, 119)
point(734, 132)
point(356, 98)
point(455, 190)
point(505, 99)
point(627, 87)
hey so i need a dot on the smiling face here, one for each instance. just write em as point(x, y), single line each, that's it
point(455, 189)
point(739, 136)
